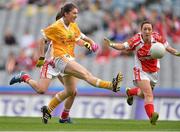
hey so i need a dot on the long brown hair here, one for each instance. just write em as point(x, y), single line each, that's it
point(65, 9)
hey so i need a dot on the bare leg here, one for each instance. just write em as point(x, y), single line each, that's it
point(75, 69)
point(69, 101)
point(40, 86)
point(145, 87)
point(69, 90)
point(67, 104)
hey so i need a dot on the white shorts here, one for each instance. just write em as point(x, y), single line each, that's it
point(141, 75)
point(50, 71)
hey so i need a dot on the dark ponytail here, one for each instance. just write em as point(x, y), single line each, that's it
point(60, 14)
point(65, 9)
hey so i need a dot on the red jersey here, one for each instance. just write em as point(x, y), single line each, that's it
point(142, 49)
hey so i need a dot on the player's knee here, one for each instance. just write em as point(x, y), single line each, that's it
point(149, 97)
point(71, 93)
point(41, 92)
point(41, 88)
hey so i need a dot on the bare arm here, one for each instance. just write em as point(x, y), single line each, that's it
point(42, 43)
point(172, 51)
point(118, 46)
point(88, 43)
point(41, 59)
point(89, 40)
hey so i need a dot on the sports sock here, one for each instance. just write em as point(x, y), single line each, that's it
point(149, 109)
point(133, 91)
point(65, 114)
point(25, 77)
point(104, 84)
point(55, 101)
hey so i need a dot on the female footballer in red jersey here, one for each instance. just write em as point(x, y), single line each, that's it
point(64, 34)
point(145, 69)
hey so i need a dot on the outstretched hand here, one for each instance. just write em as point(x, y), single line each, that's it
point(177, 53)
point(93, 47)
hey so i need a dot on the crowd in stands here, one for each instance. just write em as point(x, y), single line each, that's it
point(117, 19)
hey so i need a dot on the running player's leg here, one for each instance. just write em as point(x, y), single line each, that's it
point(69, 90)
point(134, 91)
point(80, 72)
point(39, 86)
point(64, 118)
point(145, 86)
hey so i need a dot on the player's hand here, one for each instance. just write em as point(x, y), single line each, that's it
point(108, 42)
point(88, 46)
point(40, 62)
point(177, 53)
point(94, 47)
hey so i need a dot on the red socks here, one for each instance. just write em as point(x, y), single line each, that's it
point(65, 114)
point(133, 91)
point(25, 77)
point(149, 109)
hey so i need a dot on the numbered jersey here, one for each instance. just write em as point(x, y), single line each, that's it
point(142, 50)
point(63, 38)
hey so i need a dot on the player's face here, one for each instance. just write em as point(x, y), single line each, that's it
point(72, 15)
point(146, 31)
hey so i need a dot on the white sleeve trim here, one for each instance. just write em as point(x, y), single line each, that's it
point(126, 45)
point(82, 36)
point(44, 35)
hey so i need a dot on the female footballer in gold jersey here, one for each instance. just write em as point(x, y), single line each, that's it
point(64, 34)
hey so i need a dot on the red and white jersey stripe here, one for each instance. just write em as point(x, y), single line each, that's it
point(142, 50)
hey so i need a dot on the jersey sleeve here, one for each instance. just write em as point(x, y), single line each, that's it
point(160, 39)
point(133, 42)
point(51, 33)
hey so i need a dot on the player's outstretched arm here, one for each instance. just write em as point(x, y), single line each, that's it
point(173, 51)
point(118, 46)
point(89, 44)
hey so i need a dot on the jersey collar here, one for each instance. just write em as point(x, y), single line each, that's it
point(67, 27)
point(152, 39)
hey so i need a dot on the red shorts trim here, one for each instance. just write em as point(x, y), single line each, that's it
point(137, 74)
point(44, 69)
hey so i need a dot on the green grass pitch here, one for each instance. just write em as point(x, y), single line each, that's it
point(35, 124)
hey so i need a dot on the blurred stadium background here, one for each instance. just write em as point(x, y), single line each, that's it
point(20, 25)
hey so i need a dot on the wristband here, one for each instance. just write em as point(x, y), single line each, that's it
point(112, 44)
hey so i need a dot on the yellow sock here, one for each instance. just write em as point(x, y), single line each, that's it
point(55, 101)
point(104, 84)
